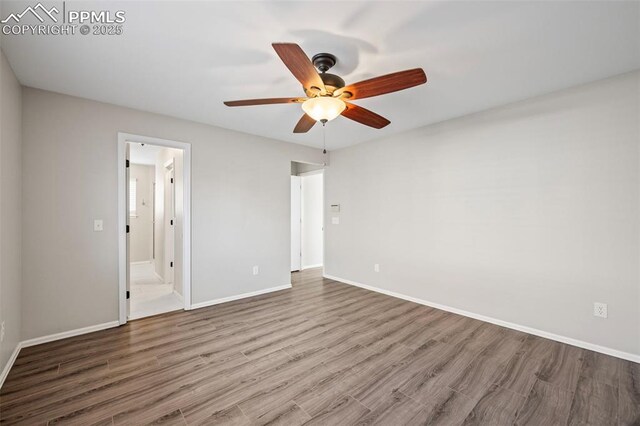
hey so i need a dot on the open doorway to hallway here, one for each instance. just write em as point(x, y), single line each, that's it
point(307, 216)
point(155, 219)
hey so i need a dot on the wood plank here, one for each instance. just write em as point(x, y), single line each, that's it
point(629, 393)
point(446, 408)
point(594, 403)
point(344, 410)
point(546, 404)
point(602, 368)
point(498, 406)
point(322, 352)
point(561, 366)
point(398, 409)
point(520, 374)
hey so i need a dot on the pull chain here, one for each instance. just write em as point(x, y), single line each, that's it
point(324, 138)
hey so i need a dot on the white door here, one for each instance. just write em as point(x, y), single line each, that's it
point(127, 216)
point(170, 223)
point(296, 225)
point(312, 219)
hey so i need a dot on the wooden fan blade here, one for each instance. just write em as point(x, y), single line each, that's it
point(304, 125)
point(266, 101)
point(364, 116)
point(384, 84)
point(299, 64)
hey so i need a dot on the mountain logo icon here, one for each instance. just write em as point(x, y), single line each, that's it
point(38, 11)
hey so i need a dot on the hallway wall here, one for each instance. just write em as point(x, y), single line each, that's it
point(141, 240)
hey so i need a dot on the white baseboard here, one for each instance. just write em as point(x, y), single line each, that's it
point(70, 333)
point(111, 324)
point(547, 335)
point(239, 296)
point(51, 338)
point(9, 364)
point(311, 266)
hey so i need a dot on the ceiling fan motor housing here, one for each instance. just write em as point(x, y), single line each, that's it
point(324, 62)
point(332, 82)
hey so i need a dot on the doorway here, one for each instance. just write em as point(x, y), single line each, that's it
point(154, 215)
point(307, 216)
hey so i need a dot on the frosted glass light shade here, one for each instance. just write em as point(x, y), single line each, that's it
point(323, 108)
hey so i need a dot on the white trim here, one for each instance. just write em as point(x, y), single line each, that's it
point(563, 339)
point(111, 324)
point(9, 364)
point(312, 266)
point(70, 333)
point(178, 295)
point(123, 138)
point(239, 296)
point(324, 219)
point(122, 229)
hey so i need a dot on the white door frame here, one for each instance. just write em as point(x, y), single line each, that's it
point(123, 138)
point(324, 208)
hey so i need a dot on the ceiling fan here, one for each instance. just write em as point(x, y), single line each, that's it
point(327, 96)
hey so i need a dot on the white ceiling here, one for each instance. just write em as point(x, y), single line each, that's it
point(144, 153)
point(184, 58)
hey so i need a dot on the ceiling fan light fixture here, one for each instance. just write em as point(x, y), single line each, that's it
point(323, 108)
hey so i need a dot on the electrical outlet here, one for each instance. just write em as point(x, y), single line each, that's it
point(256, 270)
point(600, 310)
point(2, 331)
point(376, 268)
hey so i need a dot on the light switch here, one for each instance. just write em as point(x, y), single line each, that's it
point(97, 225)
point(335, 220)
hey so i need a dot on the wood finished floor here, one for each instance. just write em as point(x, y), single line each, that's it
point(320, 353)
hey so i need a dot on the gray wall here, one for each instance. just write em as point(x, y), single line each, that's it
point(527, 213)
point(10, 208)
point(240, 208)
point(141, 239)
